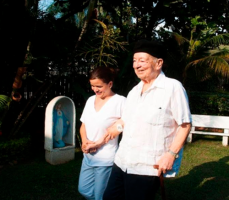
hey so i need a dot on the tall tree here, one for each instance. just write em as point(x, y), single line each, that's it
point(202, 52)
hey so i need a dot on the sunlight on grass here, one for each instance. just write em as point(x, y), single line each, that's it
point(204, 172)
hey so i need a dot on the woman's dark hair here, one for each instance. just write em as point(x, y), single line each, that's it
point(106, 74)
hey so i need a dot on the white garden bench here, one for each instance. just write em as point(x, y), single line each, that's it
point(210, 121)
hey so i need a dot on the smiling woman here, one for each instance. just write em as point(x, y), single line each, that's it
point(101, 111)
point(101, 89)
point(101, 81)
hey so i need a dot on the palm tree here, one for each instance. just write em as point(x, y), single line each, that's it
point(101, 52)
point(4, 102)
point(205, 53)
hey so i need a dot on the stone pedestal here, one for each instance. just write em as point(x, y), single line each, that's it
point(60, 155)
point(64, 154)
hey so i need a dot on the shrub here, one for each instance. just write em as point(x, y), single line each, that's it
point(15, 149)
point(209, 103)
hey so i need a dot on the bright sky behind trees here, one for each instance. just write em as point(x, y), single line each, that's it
point(44, 4)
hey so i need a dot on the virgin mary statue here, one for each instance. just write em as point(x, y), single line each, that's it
point(60, 127)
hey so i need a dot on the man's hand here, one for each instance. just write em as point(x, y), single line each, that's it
point(112, 131)
point(165, 163)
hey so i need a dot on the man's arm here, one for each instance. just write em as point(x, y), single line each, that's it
point(167, 160)
point(113, 131)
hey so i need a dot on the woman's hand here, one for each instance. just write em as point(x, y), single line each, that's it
point(93, 147)
point(85, 144)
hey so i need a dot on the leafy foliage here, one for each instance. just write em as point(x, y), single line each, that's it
point(102, 48)
point(54, 34)
point(197, 52)
point(4, 102)
point(209, 103)
point(4, 105)
point(14, 149)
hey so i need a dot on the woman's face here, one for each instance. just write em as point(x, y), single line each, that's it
point(101, 89)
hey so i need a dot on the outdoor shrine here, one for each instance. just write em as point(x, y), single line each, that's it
point(60, 117)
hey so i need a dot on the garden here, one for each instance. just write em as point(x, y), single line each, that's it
point(50, 46)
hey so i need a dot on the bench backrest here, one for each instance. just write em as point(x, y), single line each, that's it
point(210, 121)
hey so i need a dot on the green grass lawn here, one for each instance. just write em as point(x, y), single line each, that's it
point(204, 175)
point(37, 179)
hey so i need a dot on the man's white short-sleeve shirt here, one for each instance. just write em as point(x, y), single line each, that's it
point(151, 121)
point(96, 123)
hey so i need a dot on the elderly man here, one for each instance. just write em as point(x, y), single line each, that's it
point(155, 125)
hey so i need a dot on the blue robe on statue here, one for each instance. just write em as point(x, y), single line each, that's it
point(60, 128)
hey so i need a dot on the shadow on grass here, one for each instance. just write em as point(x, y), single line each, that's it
point(209, 181)
point(206, 138)
point(37, 179)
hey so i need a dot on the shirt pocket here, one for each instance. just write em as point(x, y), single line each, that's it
point(153, 116)
point(158, 117)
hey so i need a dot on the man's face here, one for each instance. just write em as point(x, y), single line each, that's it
point(146, 66)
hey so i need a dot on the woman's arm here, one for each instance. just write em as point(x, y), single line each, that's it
point(85, 141)
point(92, 147)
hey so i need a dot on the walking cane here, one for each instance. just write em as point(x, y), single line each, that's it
point(161, 183)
